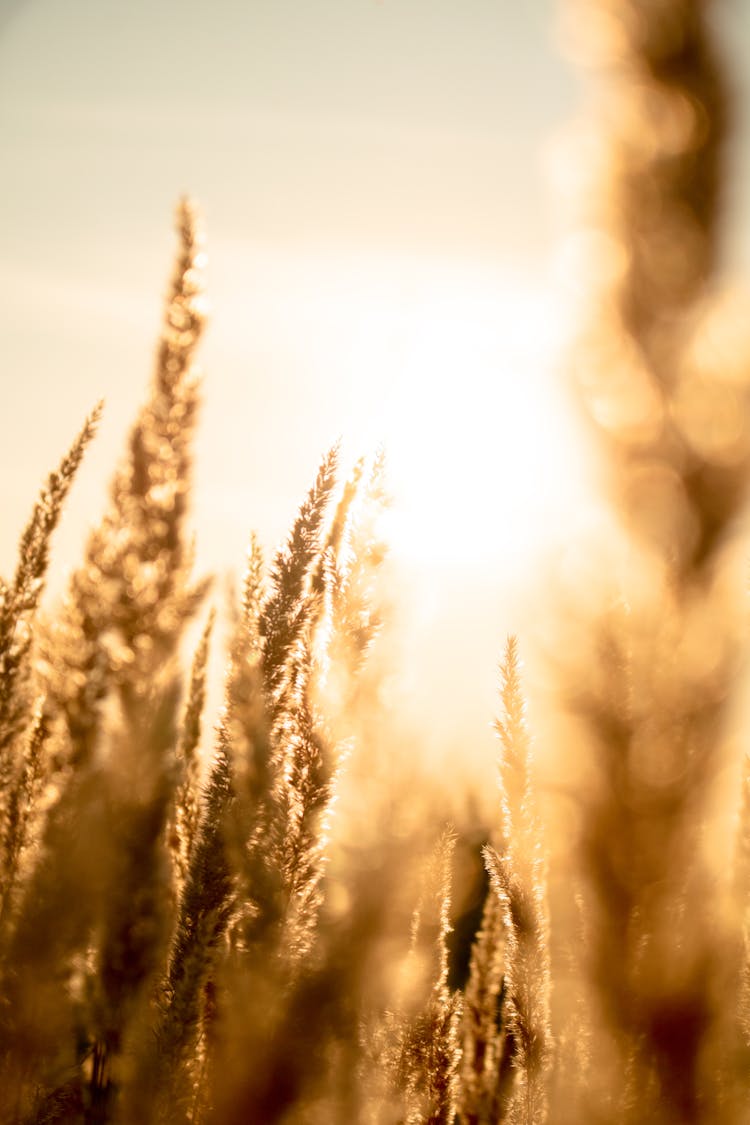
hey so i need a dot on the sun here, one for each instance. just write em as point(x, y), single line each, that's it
point(483, 452)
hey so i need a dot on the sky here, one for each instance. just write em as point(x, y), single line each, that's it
point(385, 207)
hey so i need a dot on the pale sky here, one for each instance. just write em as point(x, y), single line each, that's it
point(384, 226)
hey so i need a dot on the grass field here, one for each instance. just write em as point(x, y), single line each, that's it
point(261, 916)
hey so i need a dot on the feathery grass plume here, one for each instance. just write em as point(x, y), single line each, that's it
point(231, 821)
point(284, 773)
point(127, 605)
point(329, 573)
point(241, 835)
point(40, 1042)
point(651, 694)
point(286, 764)
point(167, 1078)
point(134, 926)
point(290, 768)
point(252, 594)
point(430, 1050)
point(518, 879)
point(19, 601)
point(23, 731)
point(186, 806)
point(140, 554)
point(338, 531)
point(290, 759)
point(289, 609)
point(305, 798)
point(277, 748)
point(347, 683)
point(264, 786)
point(485, 1065)
point(23, 803)
point(360, 551)
point(332, 650)
point(257, 824)
point(116, 637)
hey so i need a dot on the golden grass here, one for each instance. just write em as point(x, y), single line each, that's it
point(189, 946)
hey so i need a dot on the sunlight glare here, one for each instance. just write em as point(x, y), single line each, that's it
point(453, 367)
point(479, 437)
